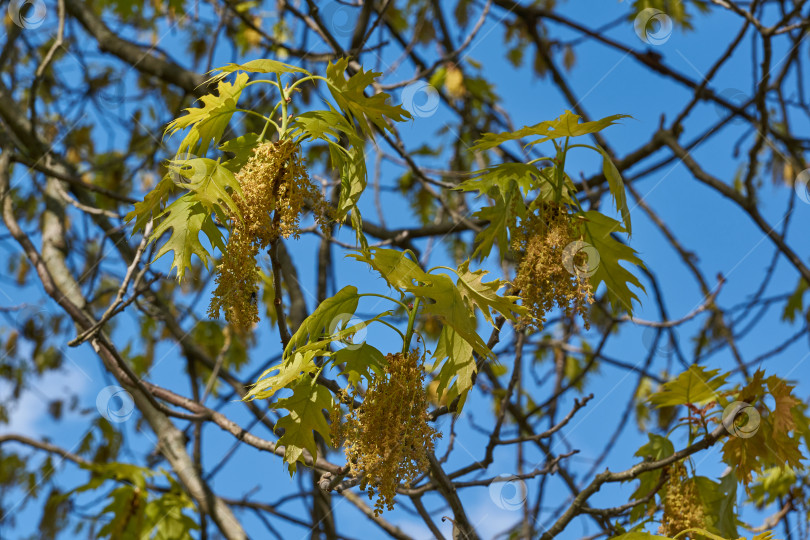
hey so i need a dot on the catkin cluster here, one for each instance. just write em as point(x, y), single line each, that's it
point(387, 439)
point(682, 505)
point(274, 185)
point(542, 276)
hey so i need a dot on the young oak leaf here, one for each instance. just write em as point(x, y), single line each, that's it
point(503, 177)
point(717, 500)
point(358, 362)
point(151, 205)
point(485, 295)
point(695, 385)
point(288, 371)
point(743, 455)
point(331, 126)
point(186, 217)
point(657, 448)
point(616, 186)
point(567, 125)
point(261, 65)
point(456, 374)
point(784, 403)
point(305, 417)
point(444, 300)
point(321, 321)
point(442, 297)
point(349, 96)
point(597, 231)
point(773, 484)
point(337, 331)
point(208, 122)
point(795, 303)
point(242, 149)
point(640, 535)
point(395, 267)
point(211, 183)
point(502, 217)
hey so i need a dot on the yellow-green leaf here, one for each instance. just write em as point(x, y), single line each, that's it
point(485, 296)
point(305, 417)
point(350, 97)
point(695, 385)
point(262, 65)
point(567, 125)
point(186, 217)
point(324, 319)
point(288, 371)
point(208, 123)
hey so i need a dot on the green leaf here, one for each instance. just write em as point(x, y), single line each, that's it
point(262, 65)
point(443, 299)
point(325, 318)
point(503, 177)
point(616, 185)
point(289, 370)
point(657, 448)
point(357, 225)
point(502, 217)
point(695, 385)
point(208, 123)
point(305, 416)
point(795, 303)
point(170, 523)
point(212, 184)
point(773, 483)
point(441, 296)
point(567, 125)
point(597, 230)
point(456, 374)
point(337, 331)
point(242, 148)
point(491, 140)
point(127, 510)
point(165, 514)
point(485, 296)
point(359, 361)
point(718, 501)
point(186, 218)
point(396, 268)
point(330, 126)
point(726, 523)
point(151, 205)
point(349, 96)
point(353, 178)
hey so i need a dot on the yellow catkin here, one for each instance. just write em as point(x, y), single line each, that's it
point(275, 186)
point(682, 505)
point(542, 278)
point(388, 438)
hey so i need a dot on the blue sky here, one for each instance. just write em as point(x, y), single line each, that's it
point(608, 82)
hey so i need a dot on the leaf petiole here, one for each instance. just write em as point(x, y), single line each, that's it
point(406, 343)
point(386, 297)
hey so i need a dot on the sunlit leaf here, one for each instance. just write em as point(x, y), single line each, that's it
point(305, 418)
point(288, 371)
point(695, 385)
point(207, 123)
point(186, 218)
